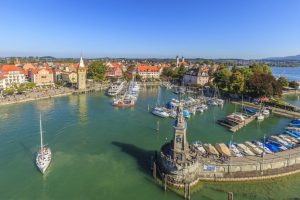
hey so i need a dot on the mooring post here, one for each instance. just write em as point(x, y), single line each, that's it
point(185, 190)
point(157, 126)
point(165, 187)
point(154, 170)
point(230, 196)
point(189, 191)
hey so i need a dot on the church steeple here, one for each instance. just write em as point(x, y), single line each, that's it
point(81, 63)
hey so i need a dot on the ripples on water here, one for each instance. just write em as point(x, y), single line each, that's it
point(80, 131)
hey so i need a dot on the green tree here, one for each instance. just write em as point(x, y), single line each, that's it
point(264, 85)
point(237, 83)
point(181, 71)
point(222, 77)
point(9, 91)
point(260, 68)
point(97, 70)
point(283, 81)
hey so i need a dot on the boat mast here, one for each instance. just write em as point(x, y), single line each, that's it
point(41, 132)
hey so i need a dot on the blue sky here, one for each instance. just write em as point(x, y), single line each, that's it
point(153, 28)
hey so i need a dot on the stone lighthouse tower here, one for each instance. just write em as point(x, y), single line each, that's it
point(81, 76)
point(180, 146)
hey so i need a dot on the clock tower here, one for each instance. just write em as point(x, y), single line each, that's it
point(81, 75)
point(180, 146)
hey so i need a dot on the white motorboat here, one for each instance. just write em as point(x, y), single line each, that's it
point(260, 117)
point(245, 150)
point(235, 152)
point(266, 112)
point(254, 148)
point(263, 147)
point(199, 147)
point(43, 157)
point(115, 88)
point(160, 112)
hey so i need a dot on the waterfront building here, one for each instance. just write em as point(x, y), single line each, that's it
point(69, 74)
point(81, 75)
point(41, 76)
point(114, 70)
point(177, 160)
point(57, 75)
point(149, 71)
point(11, 75)
point(69, 77)
point(197, 76)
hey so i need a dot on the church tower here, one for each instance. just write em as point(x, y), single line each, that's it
point(180, 146)
point(81, 75)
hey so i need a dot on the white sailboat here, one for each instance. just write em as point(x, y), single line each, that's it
point(43, 157)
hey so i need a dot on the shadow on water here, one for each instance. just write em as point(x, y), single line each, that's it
point(142, 157)
point(29, 153)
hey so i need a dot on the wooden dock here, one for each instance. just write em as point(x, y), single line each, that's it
point(276, 111)
point(237, 126)
point(76, 92)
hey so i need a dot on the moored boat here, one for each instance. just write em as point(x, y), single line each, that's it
point(210, 149)
point(245, 150)
point(260, 117)
point(272, 147)
point(122, 102)
point(254, 148)
point(223, 149)
point(262, 146)
point(235, 152)
point(159, 112)
point(115, 88)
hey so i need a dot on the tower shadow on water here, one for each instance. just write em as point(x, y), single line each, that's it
point(142, 157)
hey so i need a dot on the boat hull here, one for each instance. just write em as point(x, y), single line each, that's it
point(43, 160)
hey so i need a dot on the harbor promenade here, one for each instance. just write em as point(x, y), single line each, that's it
point(36, 95)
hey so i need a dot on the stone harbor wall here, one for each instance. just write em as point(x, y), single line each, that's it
point(251, 168)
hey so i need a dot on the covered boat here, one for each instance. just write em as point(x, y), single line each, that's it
point(123, 102)
point(249, 110)
point(223, 149)
point(211, 149)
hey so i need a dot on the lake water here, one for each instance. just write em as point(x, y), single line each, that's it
point(101, 152)
point(291, 73)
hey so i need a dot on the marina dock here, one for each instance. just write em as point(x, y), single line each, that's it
point(276, 111)
point(234, 127)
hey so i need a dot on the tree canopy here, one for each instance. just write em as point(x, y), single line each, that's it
point(97, 70)
point(256, 80)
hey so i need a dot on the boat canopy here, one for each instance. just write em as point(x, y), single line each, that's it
point(223, 149)
point(211, 149)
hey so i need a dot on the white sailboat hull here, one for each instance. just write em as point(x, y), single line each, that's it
point(43, 159)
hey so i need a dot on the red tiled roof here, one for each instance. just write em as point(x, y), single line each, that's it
point(36, 70)
point(7, 68)
point(28, 66)
point(147, 68)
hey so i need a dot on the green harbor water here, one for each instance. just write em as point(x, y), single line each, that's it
point(102, 152)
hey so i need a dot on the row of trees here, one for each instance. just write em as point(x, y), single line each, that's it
point(173, 72)
point(256, 80)
point(19, 88)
